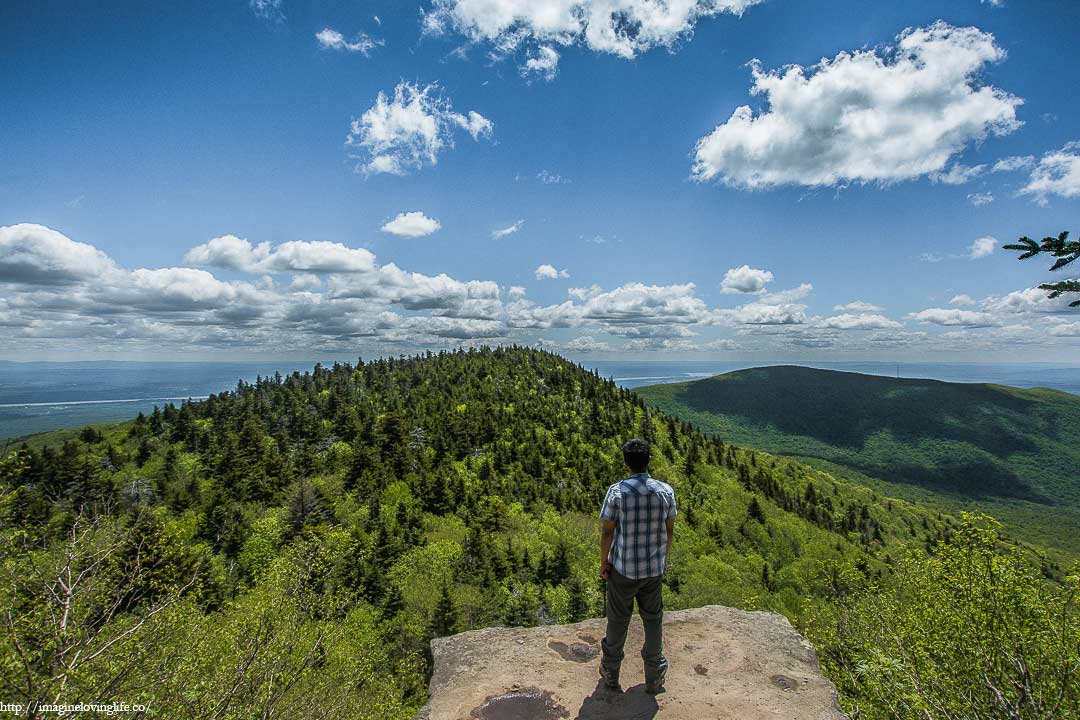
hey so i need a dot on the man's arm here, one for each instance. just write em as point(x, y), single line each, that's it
point(607, 535)
point(670, 538)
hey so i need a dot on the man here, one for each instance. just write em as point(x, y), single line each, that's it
point(638, 520)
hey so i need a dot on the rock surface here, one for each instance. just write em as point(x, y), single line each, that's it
point(724, 663)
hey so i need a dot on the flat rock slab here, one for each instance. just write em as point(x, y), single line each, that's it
point(724, 663)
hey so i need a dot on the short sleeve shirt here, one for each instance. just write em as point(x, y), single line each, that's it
point(640, 505)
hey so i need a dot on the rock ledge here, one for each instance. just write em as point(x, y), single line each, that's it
point(724, 663)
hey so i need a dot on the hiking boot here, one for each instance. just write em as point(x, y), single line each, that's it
point(655, 687)
point(611, 679)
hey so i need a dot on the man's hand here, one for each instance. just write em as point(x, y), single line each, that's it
point(605, 570)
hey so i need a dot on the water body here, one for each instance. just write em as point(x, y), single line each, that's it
point(35, 397)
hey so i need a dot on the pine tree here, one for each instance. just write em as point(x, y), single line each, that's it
point(1065, 250)
point(446, 617)
point(578, 606)
point(754, 511)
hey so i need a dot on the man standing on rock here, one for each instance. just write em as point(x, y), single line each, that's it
point(638, 519)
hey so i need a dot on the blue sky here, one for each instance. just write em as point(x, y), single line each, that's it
point(221, 179)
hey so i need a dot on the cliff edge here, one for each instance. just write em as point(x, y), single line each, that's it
point(724, 663)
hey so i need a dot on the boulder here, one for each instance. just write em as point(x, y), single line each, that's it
point(724, 663)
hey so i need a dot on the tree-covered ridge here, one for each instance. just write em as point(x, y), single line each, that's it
point(1015, 450)
point(291, 546)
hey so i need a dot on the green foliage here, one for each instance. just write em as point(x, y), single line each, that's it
point(970, 631)
point(1013, 451)
point(289, 549)
point(1060, 247)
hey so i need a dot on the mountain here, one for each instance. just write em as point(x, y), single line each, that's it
point(1013, 451)
point(289, 549)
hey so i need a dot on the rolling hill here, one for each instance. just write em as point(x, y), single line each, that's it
point(1009, 451)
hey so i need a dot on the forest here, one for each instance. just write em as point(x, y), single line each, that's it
point(1011, 452)
point(289, 549)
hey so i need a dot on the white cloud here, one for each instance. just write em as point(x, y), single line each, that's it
point(35, 254)
point(982, 247)
point(1058, 173)
point(411, 225)
point(780, 308)
point(509, 230)
point(865, 116)
point(585, 293)
point(954, 317)
point(1066, 329)
point(404, 133)
point(858, 306)
point(544, 63)
point(640, 304)
point(980, 198)
point(548, 272)
point(233, 253)
point(621, 27)
point(784, 297)
point(585, 344)
point(271, 10)
point(957, 174)
point(228, 252)
point(331, 39)
point(1015, 162)
point(847, 321)
point(516, 292)
point(962, 300)
point(1030, 300)
point(550, 178)
point(931, 257)
point(745, 279)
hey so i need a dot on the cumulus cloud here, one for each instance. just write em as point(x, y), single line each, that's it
point(1029, 300)
point(982, 247)
point(543, 63)
point(621, 27)
point(509, 230)
point(405, 132)
point(1058, 173)
point(35, 254)
point(411, 225)
point(745, 279)
point(954, 317)
point(962, 300)
point(320, 257)
point(548, 272)
point(585, 344)
point(331, 39)
point(858, 306)
point(866, 321)
point(1066, 329)
point(779, 308)
point(228, 252)
point(868, 116)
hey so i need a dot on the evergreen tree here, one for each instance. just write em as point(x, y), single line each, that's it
point(446, 617)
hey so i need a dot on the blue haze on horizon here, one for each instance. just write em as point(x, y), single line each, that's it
point(35, 397)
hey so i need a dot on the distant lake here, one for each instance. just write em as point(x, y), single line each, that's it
point(35, 397)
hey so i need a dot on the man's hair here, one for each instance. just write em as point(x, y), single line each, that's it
point(636, 454)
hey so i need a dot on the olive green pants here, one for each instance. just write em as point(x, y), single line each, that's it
point(621, 593)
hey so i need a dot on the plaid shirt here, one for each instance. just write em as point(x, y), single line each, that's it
point(640, 505)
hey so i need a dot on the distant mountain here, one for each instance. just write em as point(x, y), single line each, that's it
point(1015, 449)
